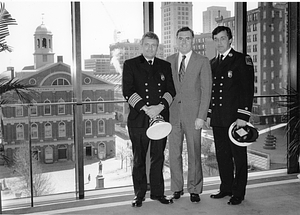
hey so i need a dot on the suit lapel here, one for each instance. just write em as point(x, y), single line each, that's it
point(175, 71)
point(189, 67)
point(191, 63)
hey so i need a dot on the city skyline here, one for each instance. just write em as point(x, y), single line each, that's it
point(96, 36)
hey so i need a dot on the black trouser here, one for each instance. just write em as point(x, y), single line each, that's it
point(232, 163)
point(140, 144)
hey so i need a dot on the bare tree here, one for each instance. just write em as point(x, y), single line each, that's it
point(41, 182)
point(125, 153)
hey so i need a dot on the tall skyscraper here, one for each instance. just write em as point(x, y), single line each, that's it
point(209, 16)
point(174, 15)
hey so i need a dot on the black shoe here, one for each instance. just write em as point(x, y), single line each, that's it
point(220, 195)
point(194, 197)
point(161, 199)
point(234, 200)
point(176, 195)
point(137, 201)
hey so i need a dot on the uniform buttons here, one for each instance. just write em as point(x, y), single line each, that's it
point(158, 84)
point(246, 108)
point(159, 90)
point(221, 84)
point(146, 84)
point(222, 77)
point(147, 90)
point(212, 97)
point(214, 84)
point(213, 91)
point(213, 104)
point(147, 103)
point(126, 97)
point(215, 77)
point(220, 104)
point(221, 98)
point(160, 97)
point(221, 91)
point(147, 97)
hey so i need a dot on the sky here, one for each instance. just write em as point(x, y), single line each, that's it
point(99, 19)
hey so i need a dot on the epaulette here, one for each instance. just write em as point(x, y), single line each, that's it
point(248, 60)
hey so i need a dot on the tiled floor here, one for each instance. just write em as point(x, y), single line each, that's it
point(270, 192)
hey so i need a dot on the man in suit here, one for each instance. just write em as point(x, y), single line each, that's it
point(192, 79)
point(149, 90)
point(232, 97)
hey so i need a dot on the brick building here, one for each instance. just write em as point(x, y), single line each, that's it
point(49, 121)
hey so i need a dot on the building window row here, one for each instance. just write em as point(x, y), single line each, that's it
point(61, 129)
point(61, 108)
point(89, 128)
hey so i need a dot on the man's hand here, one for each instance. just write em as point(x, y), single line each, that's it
point(199, 124)
point(153, 110)
point(207, 124)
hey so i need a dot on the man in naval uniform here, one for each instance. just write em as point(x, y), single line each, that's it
point(149, 90)
point(231, 101)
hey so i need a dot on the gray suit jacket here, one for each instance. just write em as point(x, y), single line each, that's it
point(194, 92)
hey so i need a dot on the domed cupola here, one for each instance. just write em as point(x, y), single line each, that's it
point(43, 49)
point(42, 29)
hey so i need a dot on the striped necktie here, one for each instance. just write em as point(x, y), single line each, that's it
point(182, 68)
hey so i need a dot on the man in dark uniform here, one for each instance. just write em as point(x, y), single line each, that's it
point(149, 90)
point(232, 97)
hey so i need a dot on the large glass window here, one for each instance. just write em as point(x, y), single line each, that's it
point(104, 50)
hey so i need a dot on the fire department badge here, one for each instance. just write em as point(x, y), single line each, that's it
point(230, 54)
point(162, 77)
point(229, 74)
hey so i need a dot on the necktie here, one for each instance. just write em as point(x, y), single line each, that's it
point(182, 68)
point(220, 58)
point(150, 62)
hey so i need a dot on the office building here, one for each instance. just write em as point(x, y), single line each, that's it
point(174, 15)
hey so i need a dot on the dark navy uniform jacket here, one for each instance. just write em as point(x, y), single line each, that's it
point(232, 90)
point(146, 85)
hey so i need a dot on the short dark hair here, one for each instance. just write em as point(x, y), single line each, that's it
point(150, 35)
point(222, 28)
point(185, 29)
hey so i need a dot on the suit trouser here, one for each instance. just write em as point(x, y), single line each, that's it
point(193, 139)
point(232, 163)
point(140, 144)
